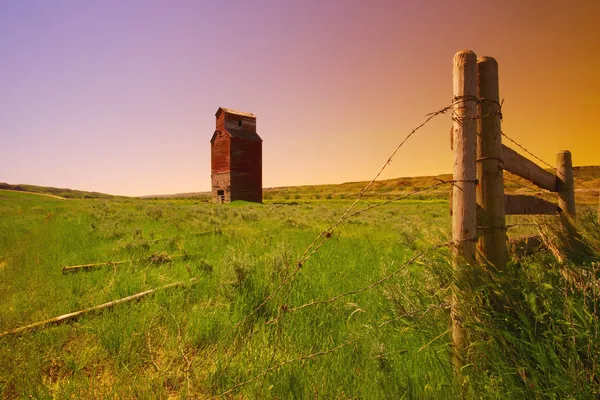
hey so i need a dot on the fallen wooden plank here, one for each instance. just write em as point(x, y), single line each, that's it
point(522, 204)
point(523, 167)
point(158, 258)
point(518, 204)
point(77, 314)
point(87, 267)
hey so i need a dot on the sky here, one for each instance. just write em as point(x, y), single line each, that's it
point(119, 96)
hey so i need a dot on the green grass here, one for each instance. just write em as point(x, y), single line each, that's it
point(390, 188)
point(176, 343)
point(61, 192)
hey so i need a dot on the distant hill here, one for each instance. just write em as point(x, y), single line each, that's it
point(60, 192)
point(384, 189)
point(191, 195)
point(390, 188)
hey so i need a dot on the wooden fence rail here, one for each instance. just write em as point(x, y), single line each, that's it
point(526, 169)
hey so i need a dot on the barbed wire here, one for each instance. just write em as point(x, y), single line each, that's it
point(324, 236)
point(580, 183)
point(429, 116)
point(521, 224)
point(320, 239)
point(378, 282)
point(527, 151)
point(284, 363)
point(441, 306)
point(329, 231)
point(275, 347)
point(585, 186)
point(532, 188)
point(283, 310)
point(271, 368)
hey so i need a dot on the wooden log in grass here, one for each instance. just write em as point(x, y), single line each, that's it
point(89, 267)
point(74, 315)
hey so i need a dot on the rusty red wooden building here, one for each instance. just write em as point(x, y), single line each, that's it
point(236, 157)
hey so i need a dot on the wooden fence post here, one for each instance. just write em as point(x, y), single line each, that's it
point(464, 225)
point(490, 191)
point(565, 184)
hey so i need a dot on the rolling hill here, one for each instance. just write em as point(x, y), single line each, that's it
point(59, 192)
point(586, 177)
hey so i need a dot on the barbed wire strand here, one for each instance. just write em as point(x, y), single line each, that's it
point(440, 306)
point(284, 363)
point(585, 186)
point(580, 183)
point(532, 188)
point(331, 229)
point(429, 116)
point(297, 269)
point(325, 235)
point(275, 347)
point(294, 273)
point(527, 151)
point(378, 282)
point(313, 247)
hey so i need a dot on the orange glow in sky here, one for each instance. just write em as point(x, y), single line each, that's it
point(119, 96)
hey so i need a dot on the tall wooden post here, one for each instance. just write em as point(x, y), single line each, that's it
point(490, 191)
point(565, 183)
point(464, 225)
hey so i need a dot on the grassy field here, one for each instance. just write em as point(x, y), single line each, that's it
point(388, 341)
point(60, 192)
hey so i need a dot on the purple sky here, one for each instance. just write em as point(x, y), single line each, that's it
point(120, 96)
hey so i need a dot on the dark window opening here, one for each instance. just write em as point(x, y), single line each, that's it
point(220, 193)
point(240, 122)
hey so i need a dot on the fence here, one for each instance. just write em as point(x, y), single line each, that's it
point(479, 205)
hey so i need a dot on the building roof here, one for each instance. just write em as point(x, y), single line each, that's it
point(238, 134)
point(236, 112)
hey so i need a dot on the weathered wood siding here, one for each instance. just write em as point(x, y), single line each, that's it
point(236, 158)
point(246, 170)
point(220, 154)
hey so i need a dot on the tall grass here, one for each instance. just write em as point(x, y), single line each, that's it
point(534, 331)
point(534, 327)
